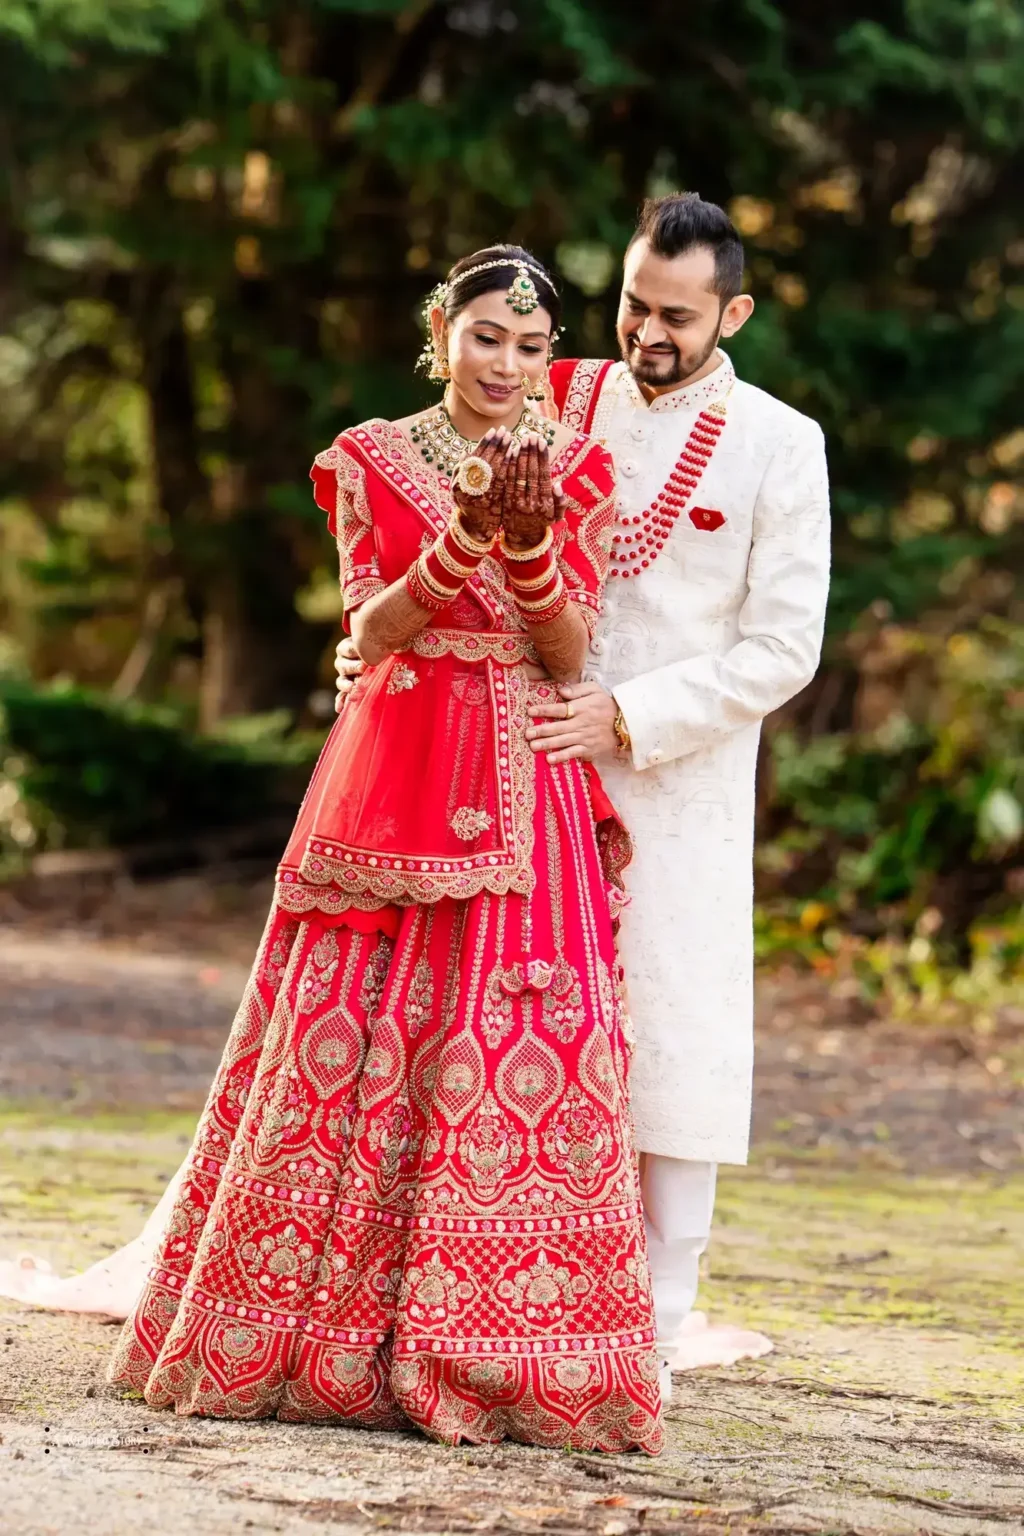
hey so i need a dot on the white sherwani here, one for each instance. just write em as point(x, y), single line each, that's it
point(724, 627)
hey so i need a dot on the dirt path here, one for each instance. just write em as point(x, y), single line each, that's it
point(878, 1237)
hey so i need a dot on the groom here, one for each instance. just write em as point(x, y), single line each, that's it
point(713, 617)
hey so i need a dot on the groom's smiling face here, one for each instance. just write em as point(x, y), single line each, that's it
point(670, 316)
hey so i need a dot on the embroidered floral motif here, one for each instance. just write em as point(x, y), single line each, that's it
point(286, 1257)
point(543, 1290)
point(577, 1139)
point(375, 977)
point(286, 1112)
point(562, 1009)
point(491, 1147)
point(338, 1271)
point(239, 1343)
point(349, 1370)
point(276, 960)
point(631, 1276)
point(468, 823)
point(434, 1291)
point(402, 678)
point(498, 1011)
point(392, 1137)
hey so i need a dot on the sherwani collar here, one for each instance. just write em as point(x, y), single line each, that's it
point(689, 397)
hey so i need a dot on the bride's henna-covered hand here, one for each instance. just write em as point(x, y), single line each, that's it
point(531, 501)
point(481, 515)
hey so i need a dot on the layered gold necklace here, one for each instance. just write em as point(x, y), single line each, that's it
point(443, 446)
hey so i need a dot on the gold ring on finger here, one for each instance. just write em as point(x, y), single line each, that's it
point(569, 710)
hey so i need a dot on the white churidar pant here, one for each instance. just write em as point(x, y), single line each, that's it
point(679, 1199)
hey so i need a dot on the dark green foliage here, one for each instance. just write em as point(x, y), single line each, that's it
point(90, 772)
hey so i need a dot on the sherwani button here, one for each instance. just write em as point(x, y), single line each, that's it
point(655, 757)
point(628, 467)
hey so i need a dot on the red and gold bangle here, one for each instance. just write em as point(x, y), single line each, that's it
point(542, 608)
point(538, 588)
point(441, 572)
point(421, 593)
point(535, 578)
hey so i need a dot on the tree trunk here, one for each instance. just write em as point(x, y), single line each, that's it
point(239, 560)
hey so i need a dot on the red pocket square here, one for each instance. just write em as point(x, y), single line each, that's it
point(706, 519)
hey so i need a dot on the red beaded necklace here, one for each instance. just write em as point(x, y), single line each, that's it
point(633, 553)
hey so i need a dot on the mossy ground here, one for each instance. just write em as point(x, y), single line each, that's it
point(893, 1402)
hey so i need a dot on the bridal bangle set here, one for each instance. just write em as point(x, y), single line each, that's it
point(536, 581)
point(441, 572)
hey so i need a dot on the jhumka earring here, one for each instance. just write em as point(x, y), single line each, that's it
point(433, 360)
point(439, 368)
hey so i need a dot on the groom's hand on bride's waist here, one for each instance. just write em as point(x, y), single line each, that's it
point(580, 724)
point(349, 669)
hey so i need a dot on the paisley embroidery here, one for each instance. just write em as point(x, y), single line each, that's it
point(419, 1002)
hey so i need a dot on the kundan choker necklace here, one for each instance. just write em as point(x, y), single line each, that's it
point(442, 445)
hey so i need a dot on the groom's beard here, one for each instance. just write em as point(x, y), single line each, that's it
point(670, 367)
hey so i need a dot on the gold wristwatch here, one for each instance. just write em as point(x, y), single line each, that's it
point(621, 730)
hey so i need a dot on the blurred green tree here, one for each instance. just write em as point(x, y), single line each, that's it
point(218, 220)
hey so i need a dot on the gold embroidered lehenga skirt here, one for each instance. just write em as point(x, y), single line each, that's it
point(412, 1196)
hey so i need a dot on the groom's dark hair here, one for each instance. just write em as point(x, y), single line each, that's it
point(682, 221)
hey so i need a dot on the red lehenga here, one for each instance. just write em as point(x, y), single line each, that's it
point(413, 1194)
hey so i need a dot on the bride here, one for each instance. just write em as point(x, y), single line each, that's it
point(412, 1196)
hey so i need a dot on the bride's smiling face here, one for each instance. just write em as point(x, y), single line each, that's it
point(490, 348)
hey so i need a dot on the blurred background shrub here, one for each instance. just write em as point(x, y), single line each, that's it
point(79, 770)
point(217, 223)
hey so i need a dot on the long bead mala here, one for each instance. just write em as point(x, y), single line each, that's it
point(633, 553)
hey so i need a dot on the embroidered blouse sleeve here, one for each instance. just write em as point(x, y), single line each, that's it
point(339, 488)
point(589, 487)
